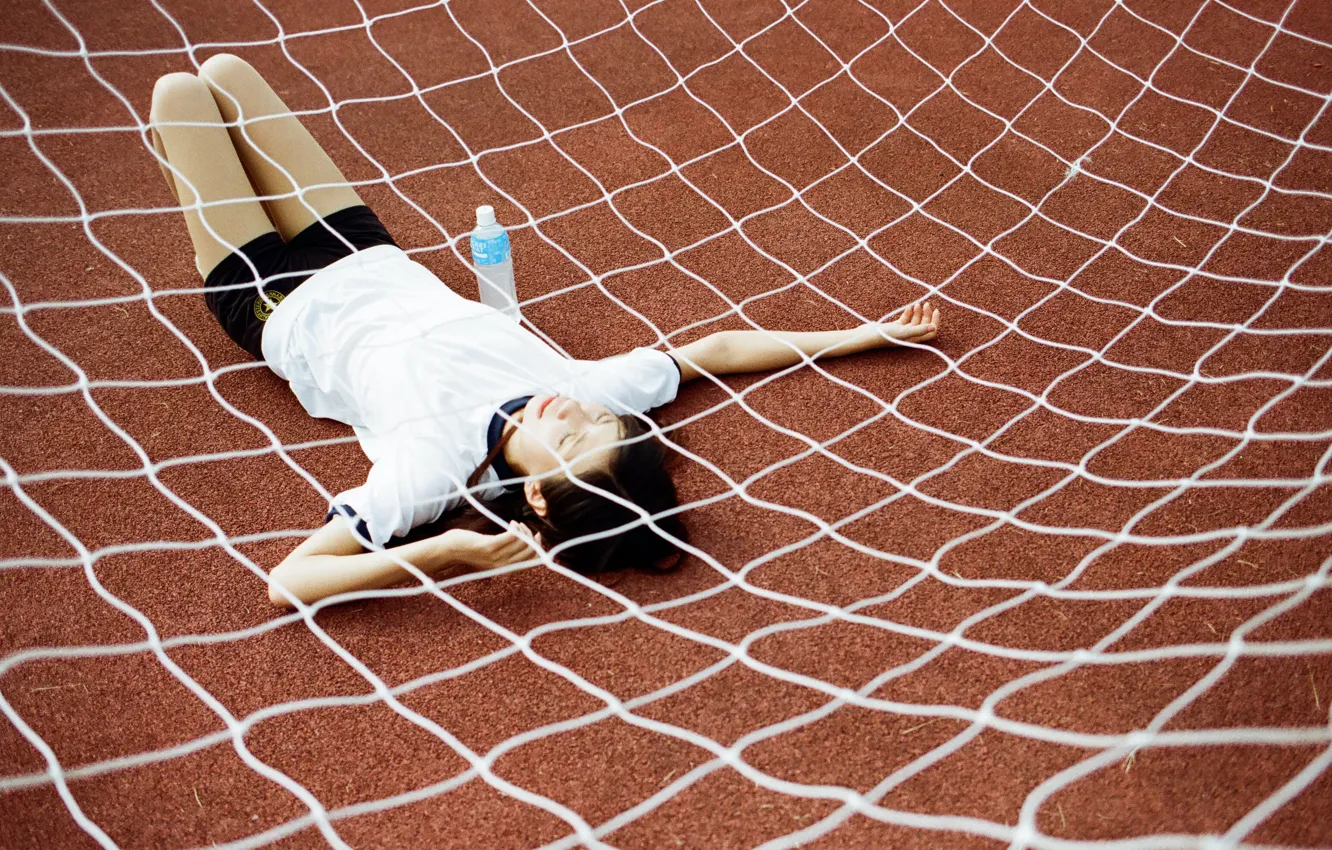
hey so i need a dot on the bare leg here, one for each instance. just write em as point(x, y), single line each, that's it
point(269, 141)
point(162, 163)
point(188, 132)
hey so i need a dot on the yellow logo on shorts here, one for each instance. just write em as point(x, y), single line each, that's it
point(261, 309)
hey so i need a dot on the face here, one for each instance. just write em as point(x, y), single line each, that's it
point(555, 427)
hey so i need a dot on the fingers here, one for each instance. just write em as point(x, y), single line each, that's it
point(517, 543)
point(531, 537)
point(919, 323)
point(918, 314)
point(925, 312)
point(930, 324)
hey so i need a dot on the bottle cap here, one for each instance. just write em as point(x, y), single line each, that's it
point(485, 216)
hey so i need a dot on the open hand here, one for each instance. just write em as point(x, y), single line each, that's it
point(514, 545)
point(918, 323)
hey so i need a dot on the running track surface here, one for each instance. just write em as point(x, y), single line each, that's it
point(1062, 577)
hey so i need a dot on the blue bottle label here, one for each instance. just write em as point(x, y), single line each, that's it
point(492, 251)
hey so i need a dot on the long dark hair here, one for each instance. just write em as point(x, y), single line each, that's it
point(637, 472)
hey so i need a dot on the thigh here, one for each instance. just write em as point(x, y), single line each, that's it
point(205, 170)
point(289, 168)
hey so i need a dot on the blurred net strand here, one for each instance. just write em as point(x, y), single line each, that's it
point(1027, 829)
point(1234, 227)
point(318, 815)
point(237, 732)
point(1110, 361)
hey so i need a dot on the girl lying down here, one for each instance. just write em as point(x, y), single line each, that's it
point(445, 395)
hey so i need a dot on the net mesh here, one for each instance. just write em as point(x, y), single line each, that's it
point(1091, 523)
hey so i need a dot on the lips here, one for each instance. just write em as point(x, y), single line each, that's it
point(547, 403)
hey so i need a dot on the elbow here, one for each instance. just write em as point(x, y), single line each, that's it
point(720, 353)
point(280, 592)
point(276, 596)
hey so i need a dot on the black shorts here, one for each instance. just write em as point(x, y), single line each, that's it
point(232, 292)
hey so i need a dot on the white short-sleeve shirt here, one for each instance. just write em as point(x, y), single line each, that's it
point(377, 341)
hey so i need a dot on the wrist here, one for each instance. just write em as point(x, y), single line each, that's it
point(869, 336)
point(448, 551)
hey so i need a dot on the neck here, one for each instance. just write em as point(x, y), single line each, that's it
point(506, 439)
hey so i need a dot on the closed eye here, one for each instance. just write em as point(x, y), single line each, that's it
point(564, 441)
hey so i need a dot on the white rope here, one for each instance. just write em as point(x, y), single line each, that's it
point(1276, 597)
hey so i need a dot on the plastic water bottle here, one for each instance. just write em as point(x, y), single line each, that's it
point(494, 265)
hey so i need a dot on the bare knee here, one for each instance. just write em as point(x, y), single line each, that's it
point(222, 67)
point(174, 92)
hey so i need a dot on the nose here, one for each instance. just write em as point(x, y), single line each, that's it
point(570, 410)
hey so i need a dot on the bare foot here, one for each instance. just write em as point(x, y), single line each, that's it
point(918, 323)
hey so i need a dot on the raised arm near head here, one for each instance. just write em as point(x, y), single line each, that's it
point(332, 561)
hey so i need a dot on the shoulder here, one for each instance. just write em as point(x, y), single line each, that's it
point(647, 360)
point(639, 380)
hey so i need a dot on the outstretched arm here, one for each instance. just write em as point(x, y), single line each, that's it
point(728, 352)
point(331, 561)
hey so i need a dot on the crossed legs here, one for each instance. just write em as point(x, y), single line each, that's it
point(225, 134)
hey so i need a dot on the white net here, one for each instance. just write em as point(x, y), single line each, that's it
point(1130, 198)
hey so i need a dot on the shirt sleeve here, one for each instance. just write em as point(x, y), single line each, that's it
point(639, 380)
point(411, 483)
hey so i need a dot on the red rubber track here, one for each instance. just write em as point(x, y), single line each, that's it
point(938, 588)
